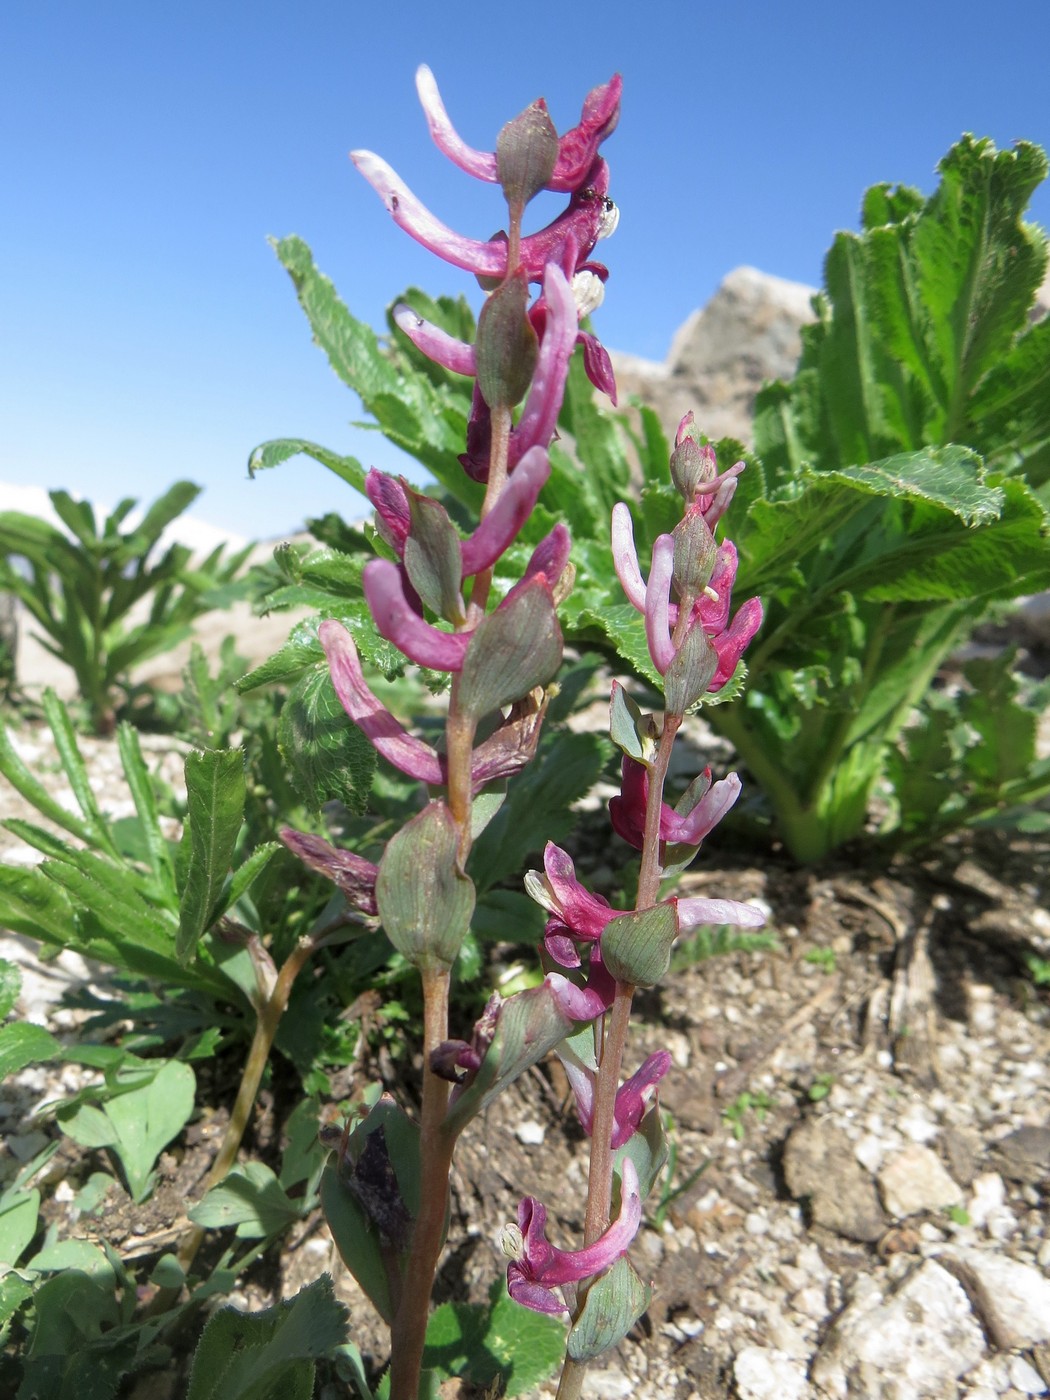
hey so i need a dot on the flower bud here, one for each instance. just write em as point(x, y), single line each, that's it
point(425, 901)
point(506, 347)
point(695, 553)
point(526, 153)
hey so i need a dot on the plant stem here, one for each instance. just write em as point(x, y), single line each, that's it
point(408, 1333)
point(268, 1018)
point(617, 1022)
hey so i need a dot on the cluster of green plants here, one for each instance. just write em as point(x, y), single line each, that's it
point(106, 598)
point(897, 495)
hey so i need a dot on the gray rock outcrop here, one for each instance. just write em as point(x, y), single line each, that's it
point(719, 359)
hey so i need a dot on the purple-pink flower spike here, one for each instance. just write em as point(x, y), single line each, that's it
point(541, 1267)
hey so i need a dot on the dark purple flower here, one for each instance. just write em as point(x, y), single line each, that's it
point(352, 875)
point(539, 1267)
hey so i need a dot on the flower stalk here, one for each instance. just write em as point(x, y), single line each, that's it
point(433, 601)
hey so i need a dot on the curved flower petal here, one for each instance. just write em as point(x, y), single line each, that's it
point(730, 644)
point(513, 507)
point(576, 149)
point(690, 830)
point(539, 417)
point(696, 910)
point(398, 623)
point(586, 220)
point(352, 875)
point(634, 1096)
point(480, 164)
point(544, 1267)
point(625, 556)
point(436, 344)
point(578, 1003)
point(374, 720)
point(657, 602)
point(597, 365)
point(559, 891)
point(393, 517)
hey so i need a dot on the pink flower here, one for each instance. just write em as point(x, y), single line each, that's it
point(539, 1267)
point(505, 752)
point(710, 611)
point(590, 215)
point(708, 804)
point(576, 149)
point(579, 917)
point(632, 1098)
point(496, 533)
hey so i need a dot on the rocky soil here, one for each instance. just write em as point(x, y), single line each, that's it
point(864, 1116)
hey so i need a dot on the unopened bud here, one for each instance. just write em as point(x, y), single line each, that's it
point(506, 345)
point(526, 153)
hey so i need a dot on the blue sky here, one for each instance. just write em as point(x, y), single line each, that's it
point(148, 331)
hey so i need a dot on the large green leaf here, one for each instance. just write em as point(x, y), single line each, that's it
point(268, 1355)
point(328, 756)
point(215, 793)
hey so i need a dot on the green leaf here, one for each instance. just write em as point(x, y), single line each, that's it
point(614, 1303)
point(527, 1345)
point(14, 1291)
point(138, 1124)
point(23, 781)
point(18, 1217)
point(327, 754)
point(215, 793)
point(278, 450)
point(268, 1355)
point(10, 986)
point(158, 851)
point(21, 1044)
point(252, 1199)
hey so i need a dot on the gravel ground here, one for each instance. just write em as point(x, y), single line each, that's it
point(868, 1110)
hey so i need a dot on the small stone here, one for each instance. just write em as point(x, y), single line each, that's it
point(530, 1133)
point(915, 1343)
point(989, 1194)
point(1024, 1155)
point(762, 1373)
point(606, 1385)
point(23, 1146)
point(1014, 1297)
point(914, 1182)
point(819, 1163)
point(1025, 1377)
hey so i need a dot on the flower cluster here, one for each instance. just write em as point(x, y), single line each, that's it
point(557, 257)
point(700, 573)
point(430, 599)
